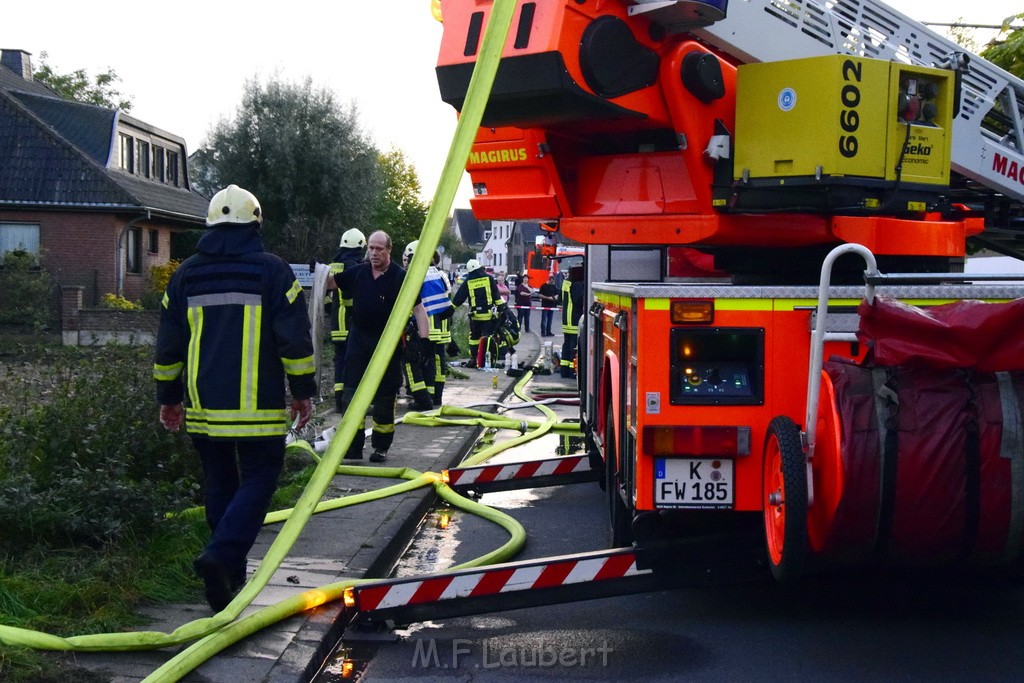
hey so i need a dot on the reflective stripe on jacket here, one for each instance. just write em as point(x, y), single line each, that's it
point(569, 325)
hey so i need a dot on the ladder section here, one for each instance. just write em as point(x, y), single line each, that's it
point(986, 132)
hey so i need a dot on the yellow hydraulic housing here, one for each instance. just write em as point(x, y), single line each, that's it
point(843, 116)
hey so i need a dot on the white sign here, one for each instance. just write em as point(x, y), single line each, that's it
point(303, 274)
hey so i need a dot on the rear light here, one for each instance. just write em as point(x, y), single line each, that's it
point(696, 440)
point(693, 311)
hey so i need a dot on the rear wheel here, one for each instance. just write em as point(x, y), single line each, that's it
point(784, 500)
point(620, 520)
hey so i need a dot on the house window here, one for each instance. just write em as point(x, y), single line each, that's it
point(154, 241)
point(158, 164)
point(172, 167)
point(19, 237)
point(127, 152)
point(133, 254)
point(142, 158)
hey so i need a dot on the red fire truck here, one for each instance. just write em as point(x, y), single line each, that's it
point(713, 156)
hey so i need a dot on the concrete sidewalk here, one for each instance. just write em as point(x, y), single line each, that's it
point(362, 541)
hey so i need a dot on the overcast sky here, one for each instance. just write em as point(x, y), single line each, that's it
point(183, 64)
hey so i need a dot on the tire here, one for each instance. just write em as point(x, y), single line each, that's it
point(784, 500)
point(620, 519)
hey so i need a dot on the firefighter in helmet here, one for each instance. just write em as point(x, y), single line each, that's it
point(351, 251)
point(485, 303)
point(572, 310)
point(426, 370)
point(233, 330)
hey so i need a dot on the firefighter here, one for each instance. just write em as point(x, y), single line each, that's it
point(374, 285)
point(572, 309)
point(351, 251)
point(433, 366)
point(485, 303)
point(233, 327)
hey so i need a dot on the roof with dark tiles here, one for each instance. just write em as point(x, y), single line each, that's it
point(87, 126)
point(468, 226)
point(55, 153)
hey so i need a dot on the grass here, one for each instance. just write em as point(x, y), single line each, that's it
point(82, 590)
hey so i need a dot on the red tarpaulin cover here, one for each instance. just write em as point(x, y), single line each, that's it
point(965, 334)
point(933, 519)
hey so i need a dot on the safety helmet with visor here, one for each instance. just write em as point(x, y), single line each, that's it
point(353, 238)
point(234, 206)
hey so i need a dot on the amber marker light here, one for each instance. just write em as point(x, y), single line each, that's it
point(349, 597)
point(444, 476)
point(693, 312)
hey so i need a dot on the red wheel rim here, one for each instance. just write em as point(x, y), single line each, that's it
point(774, 501)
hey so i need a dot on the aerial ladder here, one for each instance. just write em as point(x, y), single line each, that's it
point(654, 130)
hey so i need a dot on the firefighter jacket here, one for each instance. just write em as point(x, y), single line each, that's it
point(438, 322)
point(233, 326)
point(480, 289)
point(342, 303)
point(572, 306)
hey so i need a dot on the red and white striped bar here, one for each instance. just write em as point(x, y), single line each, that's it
point(569, 469)
point(587, 569)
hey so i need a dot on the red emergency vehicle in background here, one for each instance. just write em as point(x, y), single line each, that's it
point(547, 259)
point(711, 156)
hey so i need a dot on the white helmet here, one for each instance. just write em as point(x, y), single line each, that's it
point(472, 265)
point(353, 239)
point(234, 206)
point(410, 249)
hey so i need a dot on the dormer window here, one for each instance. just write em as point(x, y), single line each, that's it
point(127, 148)
point(142, 158)
point(172, 168)
point(159, 174)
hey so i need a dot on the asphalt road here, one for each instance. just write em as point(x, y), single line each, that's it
point(839, 624)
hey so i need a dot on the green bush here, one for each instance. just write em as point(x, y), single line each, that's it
point(83, 458)
point(30, 296)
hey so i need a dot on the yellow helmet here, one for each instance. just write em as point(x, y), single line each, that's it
point(234, 206)
point(353, 239)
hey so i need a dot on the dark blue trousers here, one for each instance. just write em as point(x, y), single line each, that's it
point(239, 479)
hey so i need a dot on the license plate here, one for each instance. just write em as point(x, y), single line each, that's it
point(699, 483)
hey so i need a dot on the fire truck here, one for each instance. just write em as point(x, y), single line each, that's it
point(773, 194)
point(547, 259)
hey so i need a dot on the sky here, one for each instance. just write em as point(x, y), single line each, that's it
point(184, 64)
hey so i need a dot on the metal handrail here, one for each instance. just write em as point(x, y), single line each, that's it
point(818, 335)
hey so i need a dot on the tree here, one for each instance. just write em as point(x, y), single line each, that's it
point(1008, 52)
point(304, 156)
point(454, 247)
point(399, 211)
point(79, 86)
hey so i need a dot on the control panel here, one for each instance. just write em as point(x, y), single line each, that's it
point(717, 366)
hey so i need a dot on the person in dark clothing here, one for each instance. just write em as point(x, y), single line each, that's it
point(374, 286)
point(549, 302)
point(233, 327)
point(524, 299)
point(485, 304)
point(572, 309)
point(350, 252)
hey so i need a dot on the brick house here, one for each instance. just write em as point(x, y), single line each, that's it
point(94, 192)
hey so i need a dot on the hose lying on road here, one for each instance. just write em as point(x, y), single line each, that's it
point(217, 632)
